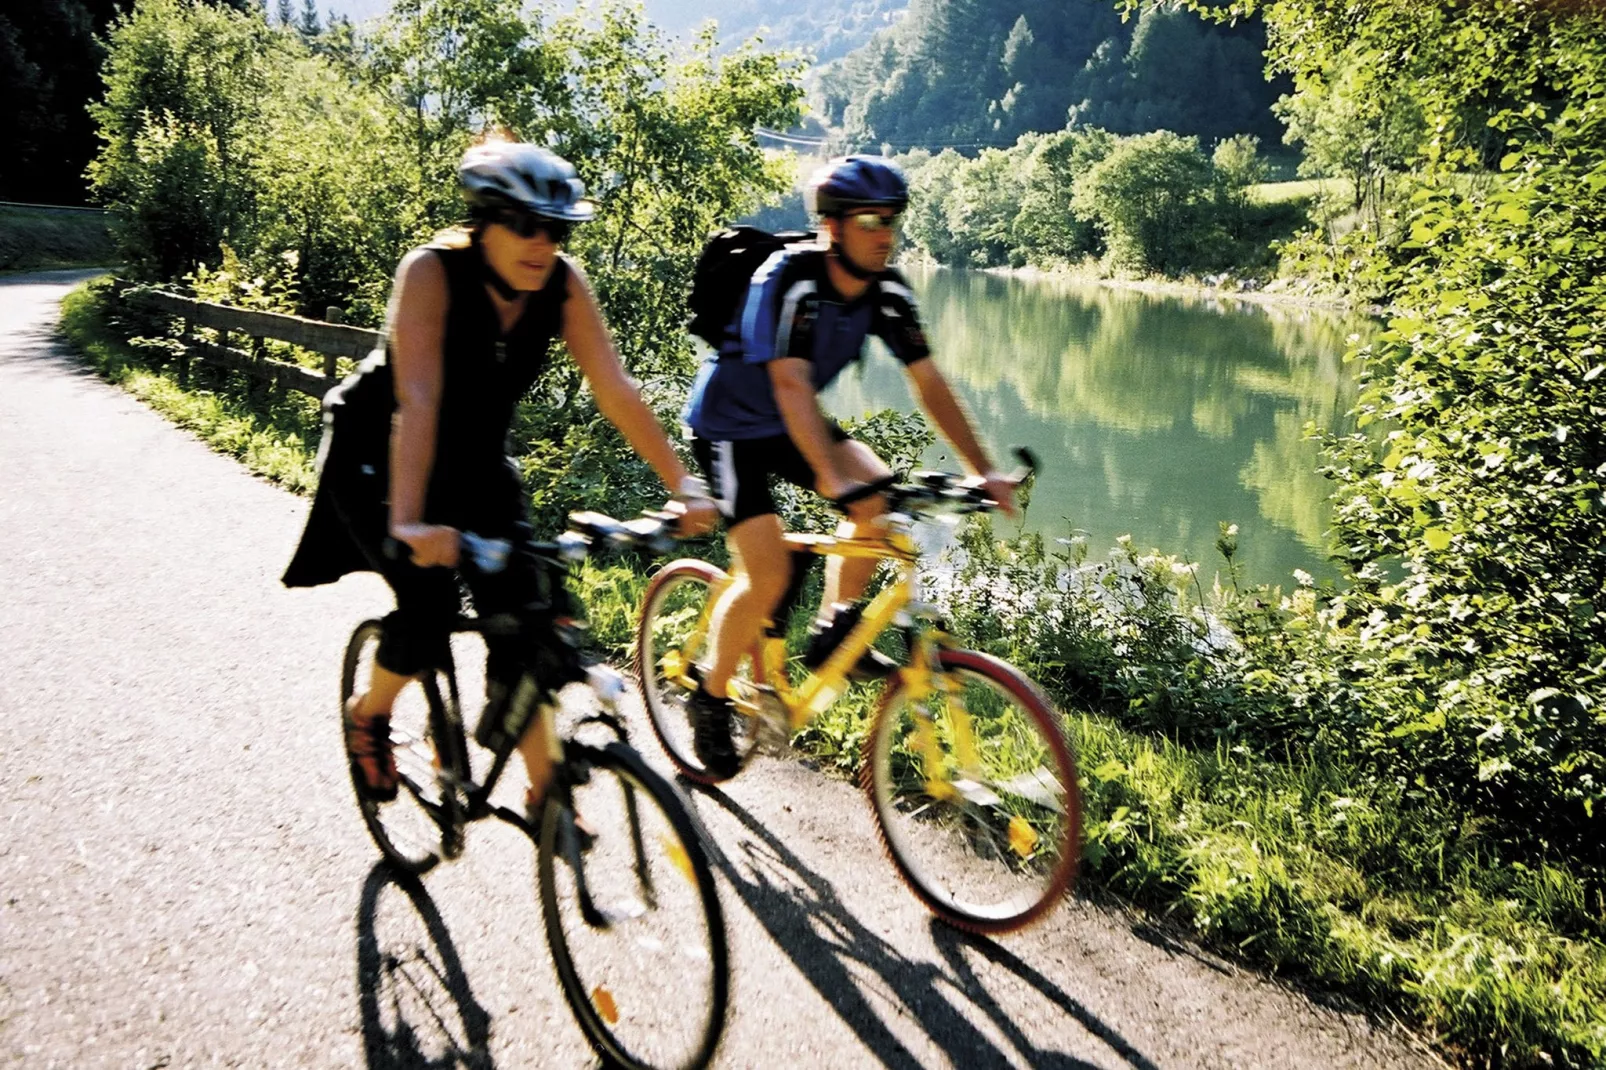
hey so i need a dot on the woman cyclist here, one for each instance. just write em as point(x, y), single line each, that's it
point(414, 446)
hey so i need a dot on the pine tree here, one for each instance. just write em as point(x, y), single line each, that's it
point(287, 16)
point(309, 19)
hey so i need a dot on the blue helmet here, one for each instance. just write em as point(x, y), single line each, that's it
point(849, 182)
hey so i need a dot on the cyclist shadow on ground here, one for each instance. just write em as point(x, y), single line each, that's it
point(804, 916)
point(418, 1011)
point(951, 944)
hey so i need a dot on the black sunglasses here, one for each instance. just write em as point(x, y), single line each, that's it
point(528, 225)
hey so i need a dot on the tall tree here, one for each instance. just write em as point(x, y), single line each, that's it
point(49, 72)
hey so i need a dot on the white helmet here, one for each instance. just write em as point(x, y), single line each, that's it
point(503, 174)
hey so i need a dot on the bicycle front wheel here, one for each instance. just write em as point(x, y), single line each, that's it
point(975, 797)
point(672, 645)
point(632, 913)
point(409, 830)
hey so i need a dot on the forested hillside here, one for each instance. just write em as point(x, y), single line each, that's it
point(826, 29)
point(971, 72)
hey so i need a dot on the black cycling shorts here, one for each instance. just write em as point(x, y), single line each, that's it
point(739, 471)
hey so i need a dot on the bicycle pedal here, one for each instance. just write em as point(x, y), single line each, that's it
point(975, 792)
point(771, 720)
point(452, 842)
point(622, 911)
point(577, 833)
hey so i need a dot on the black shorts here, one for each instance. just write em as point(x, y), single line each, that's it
point(739, 471)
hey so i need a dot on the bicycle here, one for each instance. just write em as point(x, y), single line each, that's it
point(969, 775)
point(632, 915)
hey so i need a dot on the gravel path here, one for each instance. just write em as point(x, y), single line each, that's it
point(184, 880)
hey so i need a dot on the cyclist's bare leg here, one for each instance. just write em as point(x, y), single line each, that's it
point(383, 687)
point(847, 577)
point(536, 749)
point(762, 568)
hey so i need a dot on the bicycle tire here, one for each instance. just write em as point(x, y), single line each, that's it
point(671, 605)
point(1012, 827)
point(631, 977)
point(414, 829)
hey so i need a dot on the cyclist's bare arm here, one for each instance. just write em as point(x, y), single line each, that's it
point(417, 334)
point(793, 380)
point(945, 410)
point(591, 347)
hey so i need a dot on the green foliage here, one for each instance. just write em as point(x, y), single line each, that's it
point(1352, 126)
point(277, 437)
point(1153, 202)
point(1219, 786)
point(237, 153)
point(185, 86)
point(1156, 83)
point(1238, 169)
point(48, 62)
point(965, 73)
point(1464, 662)
point(1151, 198)
point(826, 29)
point(1047, 227)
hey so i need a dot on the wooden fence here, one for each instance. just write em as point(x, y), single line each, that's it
point(332, 339)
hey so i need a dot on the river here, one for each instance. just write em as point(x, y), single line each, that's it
point(1155, 416)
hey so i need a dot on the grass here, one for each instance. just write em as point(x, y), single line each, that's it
point(1289, 862)
point(1280, 192)
point(275, 437)
point(38, 239)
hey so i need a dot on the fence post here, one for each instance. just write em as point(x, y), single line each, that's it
point(260, 383)
point(184, 354)
point(331, 367)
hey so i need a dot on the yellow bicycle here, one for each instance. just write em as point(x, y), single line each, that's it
point(970, 778)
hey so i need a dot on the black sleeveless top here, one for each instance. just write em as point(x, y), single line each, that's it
point(473, 486)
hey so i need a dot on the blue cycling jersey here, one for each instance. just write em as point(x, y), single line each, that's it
point(792, 310)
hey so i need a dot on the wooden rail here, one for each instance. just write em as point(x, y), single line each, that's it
point(332, 339)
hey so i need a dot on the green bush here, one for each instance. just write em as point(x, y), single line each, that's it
point(1151, 198)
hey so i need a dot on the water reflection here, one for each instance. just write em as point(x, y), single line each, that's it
point(1156, 416)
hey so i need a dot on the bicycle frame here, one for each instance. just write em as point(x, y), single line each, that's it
point(895, 604)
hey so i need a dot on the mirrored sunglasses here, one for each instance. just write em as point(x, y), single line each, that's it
point(875, 221)
point(528, 225)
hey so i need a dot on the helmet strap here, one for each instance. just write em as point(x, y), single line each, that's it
point(490, 274)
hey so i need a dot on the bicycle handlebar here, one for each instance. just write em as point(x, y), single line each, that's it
point(962, 493)
point(652, 531)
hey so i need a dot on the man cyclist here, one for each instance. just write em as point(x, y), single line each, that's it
point(754, 414)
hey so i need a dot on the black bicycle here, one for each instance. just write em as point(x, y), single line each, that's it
point(632, 915)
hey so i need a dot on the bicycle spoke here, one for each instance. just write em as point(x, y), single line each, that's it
point(672, 641)
point(650, 971)
point(976, 797)
point(407, 829)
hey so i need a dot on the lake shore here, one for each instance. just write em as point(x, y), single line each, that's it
point(1277, 292)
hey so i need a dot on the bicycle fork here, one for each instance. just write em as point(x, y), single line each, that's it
point(609, 686)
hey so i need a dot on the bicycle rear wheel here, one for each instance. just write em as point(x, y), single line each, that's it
point(648, 973)
point(411, 829)
point(672, 639)
point(975, 797)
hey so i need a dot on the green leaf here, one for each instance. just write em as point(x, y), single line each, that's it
point(1436, 538)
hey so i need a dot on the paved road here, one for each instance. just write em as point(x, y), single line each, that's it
point(184, 881)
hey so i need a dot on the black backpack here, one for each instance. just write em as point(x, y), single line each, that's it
point(724, 269)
